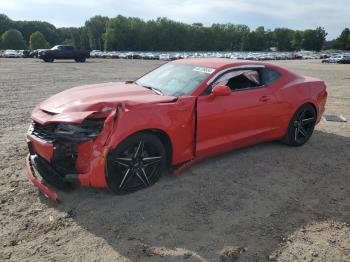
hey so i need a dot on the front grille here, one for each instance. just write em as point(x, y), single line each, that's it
point(64, 157)
point(44, 132)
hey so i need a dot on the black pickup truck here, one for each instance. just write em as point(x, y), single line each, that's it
point(63, 52)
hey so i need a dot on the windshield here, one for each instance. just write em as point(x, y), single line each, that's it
point(175, 79)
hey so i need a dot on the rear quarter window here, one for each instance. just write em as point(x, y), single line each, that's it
point(271, 76)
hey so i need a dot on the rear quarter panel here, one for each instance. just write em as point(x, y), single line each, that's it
point(297, 92)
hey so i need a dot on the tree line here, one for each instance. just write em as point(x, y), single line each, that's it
point(134, 34)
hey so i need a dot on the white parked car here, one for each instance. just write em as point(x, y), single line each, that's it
point(165, 57)
point(11, 53)
point(333, 59)
point(96, 53)
point(336, 59)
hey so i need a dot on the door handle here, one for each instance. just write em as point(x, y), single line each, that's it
point(264, 99)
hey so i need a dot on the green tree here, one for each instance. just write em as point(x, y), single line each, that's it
point(343, 41)
point(331, 44)
point(96, 28)
point(247, 43)
point(12, 39)
point(38, 41)
point(261, 38)
point(283, 38)
point(48, 30)
point(162, 34)
point(314, 39)
point(84, 39)
point(116, 34)
point(320, 38)
point(5, 24)
point(297, 40)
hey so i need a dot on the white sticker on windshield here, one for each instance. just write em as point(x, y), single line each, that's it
point(205, 70)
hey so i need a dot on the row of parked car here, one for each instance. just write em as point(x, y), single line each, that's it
point(180, 55)
point(13, 53)
point(49, 55)
point(69, 52)
point(338, 58)
point(233, 55)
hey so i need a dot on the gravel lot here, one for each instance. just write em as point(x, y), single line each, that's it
point(267, 201)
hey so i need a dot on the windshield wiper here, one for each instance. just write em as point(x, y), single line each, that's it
point(155, 90)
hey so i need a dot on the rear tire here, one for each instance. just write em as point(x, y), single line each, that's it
point(48, 59)
point(80, 59)
point(136, 163)
point(301, 126)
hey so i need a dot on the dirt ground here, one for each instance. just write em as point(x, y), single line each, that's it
point(265, 202)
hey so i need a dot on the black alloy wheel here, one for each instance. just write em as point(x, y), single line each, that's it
point(301, 126)
point(137, 163)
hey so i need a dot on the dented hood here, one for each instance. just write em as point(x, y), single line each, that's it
point(94, 97)
point(74, 104)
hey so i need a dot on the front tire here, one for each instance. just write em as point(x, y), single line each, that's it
point(301, 126)
point(137, 163)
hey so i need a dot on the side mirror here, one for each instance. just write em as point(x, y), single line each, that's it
point(221, 90)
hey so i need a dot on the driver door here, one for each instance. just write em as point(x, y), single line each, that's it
point(243, 117)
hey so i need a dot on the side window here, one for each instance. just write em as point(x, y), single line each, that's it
point(238, 80)
point(66, 48)
point(270, 75)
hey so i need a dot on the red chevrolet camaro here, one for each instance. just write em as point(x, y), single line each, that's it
point(123, 136)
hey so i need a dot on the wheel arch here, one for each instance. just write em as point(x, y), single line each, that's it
point(165, 139)
point(300, 106)
point(315, 107)
point(308, 103)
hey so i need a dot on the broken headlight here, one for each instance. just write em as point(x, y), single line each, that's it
point(87, 130)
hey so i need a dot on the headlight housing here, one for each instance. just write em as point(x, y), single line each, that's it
point(87, 130)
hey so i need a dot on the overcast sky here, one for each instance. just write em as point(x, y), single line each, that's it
point(334, 15)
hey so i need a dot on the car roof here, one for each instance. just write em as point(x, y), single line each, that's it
point(216, 62)
point(62, 45)
point(221, 63)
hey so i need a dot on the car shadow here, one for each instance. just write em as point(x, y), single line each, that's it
point(70, 62)
point(252, 198)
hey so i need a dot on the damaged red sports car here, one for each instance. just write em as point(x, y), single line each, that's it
point(123, 136)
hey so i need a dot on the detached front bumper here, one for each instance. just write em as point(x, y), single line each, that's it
point(35, 180)
point(42, 174)
point(72, 155)
point(60, 164)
